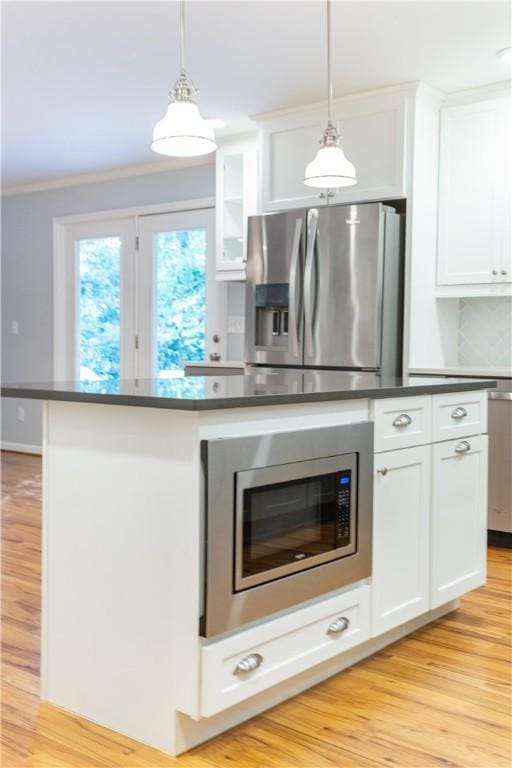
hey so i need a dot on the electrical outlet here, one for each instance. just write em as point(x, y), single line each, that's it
point(236, 324)
point(15, 327)
point(21, 414)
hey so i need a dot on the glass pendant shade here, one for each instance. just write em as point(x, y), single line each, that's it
point(182, 132)
point(330, 170)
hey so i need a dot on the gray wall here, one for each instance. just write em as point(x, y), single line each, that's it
point(27, 273)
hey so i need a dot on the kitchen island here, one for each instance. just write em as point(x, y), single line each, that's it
point(124, 573)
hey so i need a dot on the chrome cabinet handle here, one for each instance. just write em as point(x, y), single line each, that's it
point(338, 626)
point(312, 227)
point(403, 420)
point(503, 271)
point(459, 413)
point(383, 471)
point(463, 447)
point(294, 308)
point(494, 272)
point(248, 664)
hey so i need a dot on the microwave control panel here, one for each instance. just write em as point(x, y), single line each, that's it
point(343, 504)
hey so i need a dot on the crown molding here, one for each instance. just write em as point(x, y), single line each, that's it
point(123, 172)
point(503, 88)
point(408, 88)
point(430, 95)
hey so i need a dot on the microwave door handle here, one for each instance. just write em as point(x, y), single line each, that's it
point(294, 301)
point(308, 279)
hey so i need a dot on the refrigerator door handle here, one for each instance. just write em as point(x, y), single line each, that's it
point(294, 301)
point(308, 279)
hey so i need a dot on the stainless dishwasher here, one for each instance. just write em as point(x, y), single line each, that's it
point(500, 464)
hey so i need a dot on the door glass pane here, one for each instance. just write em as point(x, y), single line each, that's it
point(288, 522)
point(181, 298)
point(99, 307)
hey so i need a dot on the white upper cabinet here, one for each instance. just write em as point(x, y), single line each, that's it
point(373, 138)
point(474, 236)
point(236, 198)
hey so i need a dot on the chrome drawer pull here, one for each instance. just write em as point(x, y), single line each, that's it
point(338, 626)
point(459, 413)
point(402, 421)
point(383, 471)
point(463, 447)
point(248, 664)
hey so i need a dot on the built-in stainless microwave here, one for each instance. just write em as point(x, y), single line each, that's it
point(288, 518)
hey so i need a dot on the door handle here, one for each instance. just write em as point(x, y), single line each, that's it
point(294, 302)
point(308, 279)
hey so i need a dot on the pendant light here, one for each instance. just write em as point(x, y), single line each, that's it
point(182, 132)
point(330, 169)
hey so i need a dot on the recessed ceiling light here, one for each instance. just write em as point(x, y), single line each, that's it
point(505, 55)
point(215, 122)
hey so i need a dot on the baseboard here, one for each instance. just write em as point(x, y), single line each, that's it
point(21, 448)
point(499, 539)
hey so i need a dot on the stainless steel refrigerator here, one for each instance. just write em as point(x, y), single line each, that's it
point(325, 288)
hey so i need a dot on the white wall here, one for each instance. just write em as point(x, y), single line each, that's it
point(27, 272)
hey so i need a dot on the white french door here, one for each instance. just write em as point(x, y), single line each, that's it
point(94, 297)
point(181, 308)
point(136, 296)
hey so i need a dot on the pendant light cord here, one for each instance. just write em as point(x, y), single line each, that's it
point(329, 73)
point(182, 36)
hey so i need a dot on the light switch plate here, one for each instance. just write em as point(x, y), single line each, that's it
point(236, 323)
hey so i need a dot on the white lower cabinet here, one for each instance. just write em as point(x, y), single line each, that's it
point(400, 572)
point(458, 415)
point(240, 666)
point(429, 547)
point(459, 512)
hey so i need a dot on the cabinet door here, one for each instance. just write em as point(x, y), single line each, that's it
point(373, 138)
point(288, 144)
point(236, 198)
point(401, 513)
point(474, 194)
point(459, 517)
point(504, 190)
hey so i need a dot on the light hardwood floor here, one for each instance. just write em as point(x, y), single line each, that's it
point(440, 697)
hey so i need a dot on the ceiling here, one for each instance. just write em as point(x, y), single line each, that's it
point(84, 82)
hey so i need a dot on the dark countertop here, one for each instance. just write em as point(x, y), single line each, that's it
point(202, 393)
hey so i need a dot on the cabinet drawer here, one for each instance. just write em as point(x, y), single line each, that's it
point(460, 414)
point(282, 648)
point(402, 422)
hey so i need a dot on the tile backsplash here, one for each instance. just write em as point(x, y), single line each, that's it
point(484, 337)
